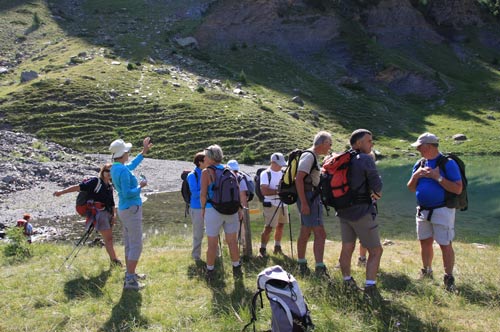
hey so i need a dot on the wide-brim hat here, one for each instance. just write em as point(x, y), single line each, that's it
point(119, 147)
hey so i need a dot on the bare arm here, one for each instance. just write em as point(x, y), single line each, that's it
point(299, 184)
point(71, 189)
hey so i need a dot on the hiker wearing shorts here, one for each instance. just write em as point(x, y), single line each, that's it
point(215, 220)
point(129, 205)
point(275, 212)
point(434, 220)
point(359, 219)
point(194, 183)
point(100, 207)
point(309, 203)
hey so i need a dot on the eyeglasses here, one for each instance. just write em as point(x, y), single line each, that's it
point(107, 170)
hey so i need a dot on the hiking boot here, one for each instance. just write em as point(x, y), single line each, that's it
point(350, 286)
point(373, 296)
point(140, 276)
point(426, 274)
point(278, 251)
point(449, 283)
point(362, 261)
point(304, 269)
point(210, 275)
point(132, 283)
point(262, 252)
point(237, 273)
point(116, 263)
point(321, 271)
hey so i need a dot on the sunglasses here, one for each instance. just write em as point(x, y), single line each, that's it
point(107, 170)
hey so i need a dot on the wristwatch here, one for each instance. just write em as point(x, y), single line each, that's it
point(440, 179)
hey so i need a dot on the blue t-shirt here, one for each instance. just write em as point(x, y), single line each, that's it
point(429, 192)
point(194, 182)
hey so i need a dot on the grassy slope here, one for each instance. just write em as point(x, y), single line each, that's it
point(89, 297)
point(87, 105)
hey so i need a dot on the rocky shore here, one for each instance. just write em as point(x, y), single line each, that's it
point(32, 169)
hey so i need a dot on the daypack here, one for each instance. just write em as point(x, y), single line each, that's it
point(288, 307)
point(258, 193)
point(242, 176)
point(287, 190)
point(335, 182)
point(454, 201)
point(185, 191)
point(226, 191)
point(82, 198)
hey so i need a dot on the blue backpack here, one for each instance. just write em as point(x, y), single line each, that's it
point(226, 191)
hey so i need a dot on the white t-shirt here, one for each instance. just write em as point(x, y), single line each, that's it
point(273, 185)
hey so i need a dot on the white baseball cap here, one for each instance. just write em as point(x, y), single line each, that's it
point(426, 138)
point(278, 159)
point(119, 147)
point(233, 165)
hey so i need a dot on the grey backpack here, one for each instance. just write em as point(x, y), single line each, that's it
point(288, 306)
point(226, 191)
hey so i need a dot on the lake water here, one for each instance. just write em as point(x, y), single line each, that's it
point(164, 213)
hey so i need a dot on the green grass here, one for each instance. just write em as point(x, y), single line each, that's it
point(88, 104)
point(89, 296)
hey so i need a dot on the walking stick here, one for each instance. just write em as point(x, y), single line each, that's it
point(78, 246)
point(290, 227)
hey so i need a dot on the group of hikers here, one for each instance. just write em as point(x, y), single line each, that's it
point(433, 181)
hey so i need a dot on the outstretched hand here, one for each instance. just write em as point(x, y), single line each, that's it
point(146, 145)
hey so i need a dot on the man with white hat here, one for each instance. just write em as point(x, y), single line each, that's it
point(435, 221)
point(244, 195)
point(275, 212)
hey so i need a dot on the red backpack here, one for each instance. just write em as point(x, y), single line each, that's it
point(335, 186)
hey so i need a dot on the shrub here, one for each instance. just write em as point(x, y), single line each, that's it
point(242, 77)
point(247, 156)
point(18, 247)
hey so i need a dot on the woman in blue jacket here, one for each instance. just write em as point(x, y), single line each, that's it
point(129, 204)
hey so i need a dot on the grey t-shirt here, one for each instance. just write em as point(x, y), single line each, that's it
point(306, 162)
point(365, 179)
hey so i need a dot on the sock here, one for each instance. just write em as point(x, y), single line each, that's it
point(302, 261)
point(235, 264)
point(320, 264)
point(210, 267)
point(347, 278)
point(370, 282)
point(277, 243)
point(362, 258)
point(263, 245)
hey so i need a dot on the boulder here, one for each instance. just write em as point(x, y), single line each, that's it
point(298, 100)
point(459, 137)
point(187, 42)
point(27, 76)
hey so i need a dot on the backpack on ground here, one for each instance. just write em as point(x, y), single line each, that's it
point(287, 190)
point(452, 200)
point(243, 176)
point(82, 197)
point(335, 182)
point(288, 307)
point(185, 191)
point(226, 191)
point(258, 193)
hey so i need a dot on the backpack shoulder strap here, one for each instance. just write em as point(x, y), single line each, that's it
point(98, 185)
point(442, 161)
point(253, 309)
point(315, 162)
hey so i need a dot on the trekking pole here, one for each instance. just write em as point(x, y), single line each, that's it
point(78, 246)
point(290, 227)
point(220, 253)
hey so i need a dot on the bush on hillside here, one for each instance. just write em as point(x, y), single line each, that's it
point(18, 248)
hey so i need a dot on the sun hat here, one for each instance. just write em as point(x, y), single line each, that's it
point(278, 159)
point(426, 138)
point(119, 147)
point(233, 165)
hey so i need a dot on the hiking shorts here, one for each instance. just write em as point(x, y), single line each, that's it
point(365, 228)
point(131, 220)
point(272, 216)
point(102, 220)
point(315, 218)
point(215, 220)
point(441, 226)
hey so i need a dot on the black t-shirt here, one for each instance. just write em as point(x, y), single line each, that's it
point(104, 194)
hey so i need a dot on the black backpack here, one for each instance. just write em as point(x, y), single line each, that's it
point(82, 197)
point(452, 200)
point(185, 191)
point(226, 191)
point(256, 179)
point(287, 190)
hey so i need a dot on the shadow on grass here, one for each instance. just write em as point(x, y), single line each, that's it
point(126, 314)
point(490, 297)
point(82, 287)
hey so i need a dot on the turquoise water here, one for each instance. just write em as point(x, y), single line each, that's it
point(164, 213)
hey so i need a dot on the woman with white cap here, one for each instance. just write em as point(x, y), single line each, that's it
point(129, 204)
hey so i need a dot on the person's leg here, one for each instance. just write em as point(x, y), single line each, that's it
point(305, 233)
point(427, 252)
point(135, 238)
point(232, 244)
point(103, 225)
point(265, 235)
point(373, 263)
point(212, 250)
point(319, 243)
point(107, 236)
point(448, 258)
point(345, 258)
point(198, 229)
point(278, 233)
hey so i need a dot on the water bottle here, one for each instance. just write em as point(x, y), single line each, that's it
point(142, 178)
